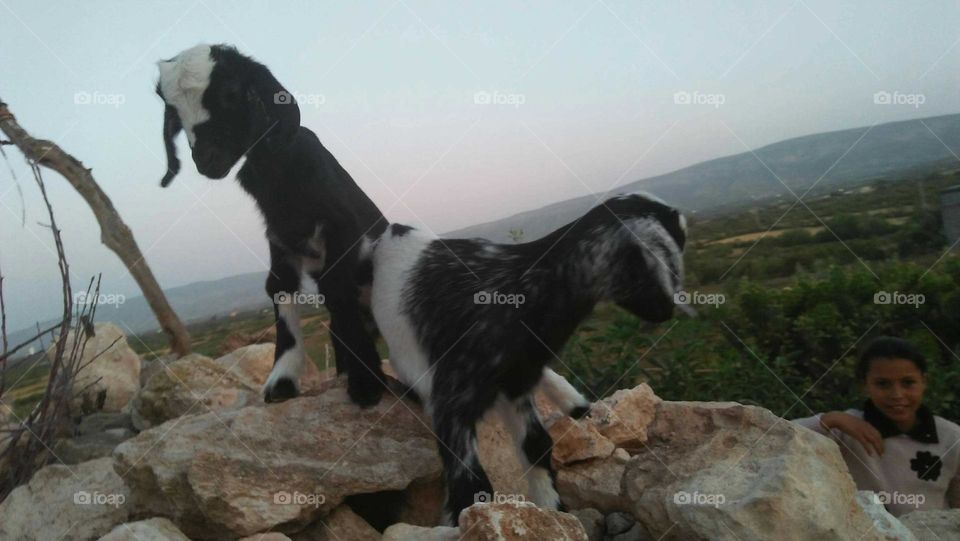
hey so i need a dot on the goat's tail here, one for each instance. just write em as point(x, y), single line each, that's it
point(563, 395)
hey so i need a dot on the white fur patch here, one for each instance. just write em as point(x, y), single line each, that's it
point(659, 248)
point(290, 364)
point(394, 257)
point(183, 80)
point(559, 391)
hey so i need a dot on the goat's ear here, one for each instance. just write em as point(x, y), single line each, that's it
point(171, 127)
point(276, 115)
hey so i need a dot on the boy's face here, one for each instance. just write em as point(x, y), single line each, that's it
point(896, 386)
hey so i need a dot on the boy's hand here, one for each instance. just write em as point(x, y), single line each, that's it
point(858, 429)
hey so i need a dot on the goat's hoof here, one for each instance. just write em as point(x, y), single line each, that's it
point(580, 412)
point(365, 395)
point(280, 390)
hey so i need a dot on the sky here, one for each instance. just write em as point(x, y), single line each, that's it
point(446, 114)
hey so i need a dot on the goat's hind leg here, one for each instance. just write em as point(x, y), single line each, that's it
point(283, 283)
point(466, 481)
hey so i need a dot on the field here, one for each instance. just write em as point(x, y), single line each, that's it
point(798, 280)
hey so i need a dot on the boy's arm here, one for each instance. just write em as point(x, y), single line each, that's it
point(814, 423)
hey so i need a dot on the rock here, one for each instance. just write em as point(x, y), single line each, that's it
point(149, 367)
point(408, 532)
point(574, 441)
point(623, 417)
point(154, 529)
point(592, 521)
point(728, 471)
point(277, 467)
point(595, 483)
point(90, 446)
point(269, 536)
point(423, 503)
point(237, 340)
point(252, 365)
point(66, 502)
point(193, 384)
point(635, 533)
point(498, 456)
point(517, 520)
point(103, 421)
point(933, 525)
point(342, 523)
point(110, 371)
point(617, 523)
point(883, 522)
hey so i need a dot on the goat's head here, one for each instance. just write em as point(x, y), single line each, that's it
point(641, 254)
point(227, 103)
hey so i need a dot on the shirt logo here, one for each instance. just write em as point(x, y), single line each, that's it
point(926, 465)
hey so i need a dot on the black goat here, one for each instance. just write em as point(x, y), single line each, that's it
point(472, 325)
point(316, 216)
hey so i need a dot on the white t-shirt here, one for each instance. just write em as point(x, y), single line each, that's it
point(918, 470)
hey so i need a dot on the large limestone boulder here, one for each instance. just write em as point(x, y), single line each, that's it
point(66, 502)
point(884, 523)
point(278, 467)
point(193, 384)
point(934, 525)
point(110, 373)
point(197, 384)
point(516, 521)
point(727, 471)
point(154, 529)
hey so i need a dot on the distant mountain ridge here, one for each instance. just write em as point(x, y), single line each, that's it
point(883, 150)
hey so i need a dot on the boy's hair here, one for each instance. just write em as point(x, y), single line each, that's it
point(889, 347)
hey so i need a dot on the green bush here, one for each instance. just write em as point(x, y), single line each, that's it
point(790, 349)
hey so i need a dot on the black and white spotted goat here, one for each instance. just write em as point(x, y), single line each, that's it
point(316, 217)
point(471, 325)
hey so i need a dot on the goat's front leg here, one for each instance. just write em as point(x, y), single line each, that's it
point(282, 285)
point(353, 344)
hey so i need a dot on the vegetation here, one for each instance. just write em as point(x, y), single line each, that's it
point(800, 301)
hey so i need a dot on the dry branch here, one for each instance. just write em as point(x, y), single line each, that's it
point(114, 233)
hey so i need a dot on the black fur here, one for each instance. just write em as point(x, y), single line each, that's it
point(300, 189)
point(483, 351)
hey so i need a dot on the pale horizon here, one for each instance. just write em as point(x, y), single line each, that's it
point(397, 91)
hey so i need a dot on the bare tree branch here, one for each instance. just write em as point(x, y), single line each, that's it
point(114, 233)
